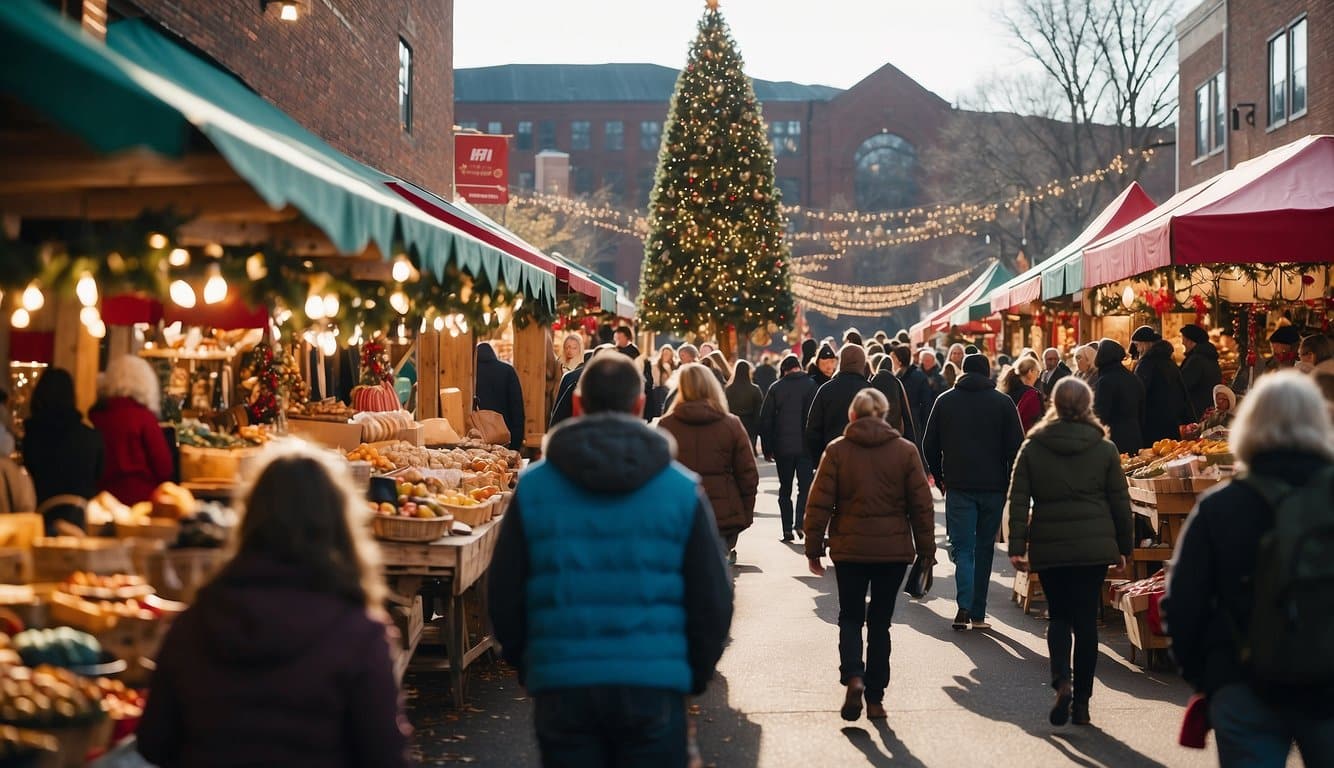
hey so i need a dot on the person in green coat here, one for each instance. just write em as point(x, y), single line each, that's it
point(1080, 523)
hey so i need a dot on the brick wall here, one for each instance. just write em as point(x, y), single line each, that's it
point(335, 70)
point(1195, 71)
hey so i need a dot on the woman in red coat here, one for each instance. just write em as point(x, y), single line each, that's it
point(1018, 383)
point(137, 457)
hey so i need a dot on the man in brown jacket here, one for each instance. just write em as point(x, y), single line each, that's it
point(871, 493)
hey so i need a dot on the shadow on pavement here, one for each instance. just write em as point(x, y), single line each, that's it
point(889, 752)
point(727, 737)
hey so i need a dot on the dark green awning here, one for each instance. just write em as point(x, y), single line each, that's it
point(144, 90)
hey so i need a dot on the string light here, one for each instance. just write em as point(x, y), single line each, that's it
point(182, 294)
point(215, 288)
point(179, 257)
point(837, 298)
point(86, 290)
point(20, 319)
point(33, 299)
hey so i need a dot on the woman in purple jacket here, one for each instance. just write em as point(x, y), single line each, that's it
point(285, 658)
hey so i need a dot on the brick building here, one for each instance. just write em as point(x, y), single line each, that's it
point(1254, 75)
point(855, 148)
point(338, 69)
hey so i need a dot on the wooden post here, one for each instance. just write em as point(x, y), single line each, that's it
point(428, 376)
point(531, 351)
point(457, 366)
point(75, 350)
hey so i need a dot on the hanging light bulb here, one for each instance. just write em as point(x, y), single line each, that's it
point(402, 270)
point(463, 324)
point(314, 307)
point(402, 332)
point(331, 305)
point(33, 299)
point(399, 301)
point(179, 257)
point(86, 289)
point(439, 324)
point(89, 315)
point(97, 330)
point(157, 241)
point(1128, 297)
point(215, 288)
point(182, 294)
point(20, 318)
point(328, 344)
point(255, 268)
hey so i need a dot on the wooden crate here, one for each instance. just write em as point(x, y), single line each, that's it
point(15, 566)
point(20, 529)
point(1135, 610)
point(53, 559)
point(1027, 589)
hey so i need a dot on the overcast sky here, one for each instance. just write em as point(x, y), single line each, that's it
point(946, 45)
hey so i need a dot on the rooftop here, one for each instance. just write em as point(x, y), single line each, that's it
point(599, 82)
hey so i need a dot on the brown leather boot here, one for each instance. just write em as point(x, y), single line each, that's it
point(1060, 711)
point(875, 711)
point(852, 700)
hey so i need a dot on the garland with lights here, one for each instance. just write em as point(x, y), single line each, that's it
point(835, 299)
point(268, 376)
point(715, 255)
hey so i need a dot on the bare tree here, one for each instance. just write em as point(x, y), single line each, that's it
point(1102, 81)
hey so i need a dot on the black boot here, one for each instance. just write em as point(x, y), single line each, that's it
point(1060, 711)
point(1079, 713)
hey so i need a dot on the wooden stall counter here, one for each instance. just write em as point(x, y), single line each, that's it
point(460, 562)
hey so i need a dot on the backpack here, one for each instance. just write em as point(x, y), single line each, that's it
point(1291, 630)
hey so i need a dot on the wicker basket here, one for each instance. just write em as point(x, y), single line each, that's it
point(413, 529)
point(474, 515)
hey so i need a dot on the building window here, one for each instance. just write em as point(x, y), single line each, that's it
point(614, 182)
point(580, 131)
point(650, 134)
point(886, 173)
point(614, 134)
point(583, 180)
point(546, 137)
point(1210, 116)
point(404, 85)
point(790, 187)
point(786, 137)
point(1287, 74)
point(495, 127)
point(645, 184)
point(523, 135)
point(468, 125)
point(526, 180)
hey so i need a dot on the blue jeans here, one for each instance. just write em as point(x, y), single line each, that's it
point(1252, 734)
point(972, 519)
point(803, 469)
point(611, 726)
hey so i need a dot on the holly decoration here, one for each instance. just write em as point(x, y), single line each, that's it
point(375, 366)
point(269, 375)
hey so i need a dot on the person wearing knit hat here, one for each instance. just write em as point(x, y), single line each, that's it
point(1167, 403)
point(852, 336)
point(970, 443)
point(1199, 368)
point(971, 349)
point(825, 364)
point(829, 410)
point(809, 348)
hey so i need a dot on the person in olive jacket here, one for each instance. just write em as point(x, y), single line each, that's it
point(1118, 399)
point(1166, 404)
point(783, 440)
point(1199, 369)
point(1080, 524)
point(871, 494)
point(712, 443)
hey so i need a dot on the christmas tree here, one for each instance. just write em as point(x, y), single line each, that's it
point(714, 257)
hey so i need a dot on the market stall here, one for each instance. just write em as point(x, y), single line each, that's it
point(941, 320)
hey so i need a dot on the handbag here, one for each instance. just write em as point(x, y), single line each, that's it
point(1195, 723)
point(920, 578)
point(489, 427)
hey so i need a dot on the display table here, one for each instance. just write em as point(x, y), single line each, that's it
point(460, 562)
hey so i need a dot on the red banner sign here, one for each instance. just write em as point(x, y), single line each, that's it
point(481, 168)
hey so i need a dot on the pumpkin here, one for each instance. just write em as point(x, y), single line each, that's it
point(380, 397)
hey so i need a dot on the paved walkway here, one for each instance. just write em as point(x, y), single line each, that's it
point(955, 699)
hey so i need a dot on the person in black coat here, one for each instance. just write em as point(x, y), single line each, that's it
point(1282, 433)
point(765, 374)
point(1166, 404)
point(564, 406)
point(900, 412)
point(1054, 369)
point(782, 439)
point(63, 455)
point(915, 384)
point(1119, 398)
point(829, 411)
point(624, 339)
point(1200, 370)
point(824, 366)
point(498, 390)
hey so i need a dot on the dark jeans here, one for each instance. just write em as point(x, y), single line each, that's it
point(884, 580)
point(610, 725)
point(802, 468)
point(1073, 597)
point(1252, 734)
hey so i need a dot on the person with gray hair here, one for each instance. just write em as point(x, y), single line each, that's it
point(871, 495)
point(1054, 369)
point(1283, 442)
point(1080, 523)
point(137, 458)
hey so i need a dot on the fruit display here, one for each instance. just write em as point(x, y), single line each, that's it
point(47, 696)
point(1152, 462)
point(59, 647)
point(366, 453)
point(121, 586)
point(119, 701)
point(200, 435)
point(379, 426)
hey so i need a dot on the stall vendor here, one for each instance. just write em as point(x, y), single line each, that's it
point(1225, 408)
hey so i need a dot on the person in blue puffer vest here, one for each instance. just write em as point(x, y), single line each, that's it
point(608, 589)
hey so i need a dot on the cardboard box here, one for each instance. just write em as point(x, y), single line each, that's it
point(330, 434)
point(416, 435)
point(451, 407)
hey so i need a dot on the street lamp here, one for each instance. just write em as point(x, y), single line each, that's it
point(288, 10)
